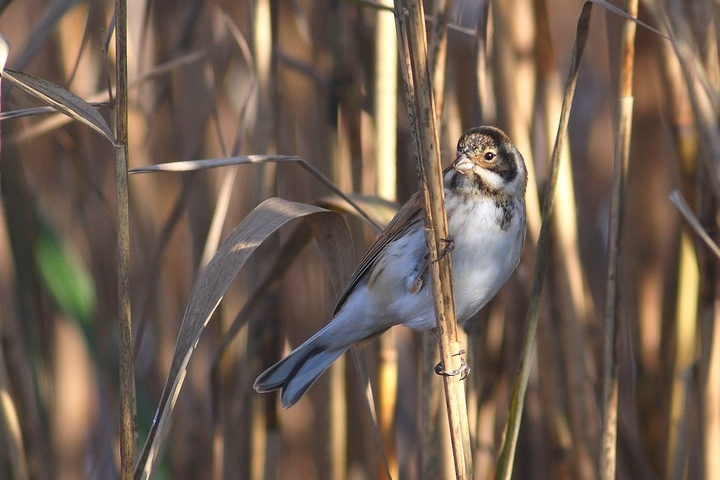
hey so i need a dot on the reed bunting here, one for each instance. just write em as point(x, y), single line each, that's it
point(485, 204)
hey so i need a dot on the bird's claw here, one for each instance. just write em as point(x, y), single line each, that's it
point(463, 371)
point(449, 247)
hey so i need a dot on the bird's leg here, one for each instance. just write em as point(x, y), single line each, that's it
point(463, 371)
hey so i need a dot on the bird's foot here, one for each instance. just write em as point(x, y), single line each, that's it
point(449, 247)
point(463, 371)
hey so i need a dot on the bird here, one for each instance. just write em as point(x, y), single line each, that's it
point(484, 190)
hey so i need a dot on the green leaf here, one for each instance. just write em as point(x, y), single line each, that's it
point(70, 284)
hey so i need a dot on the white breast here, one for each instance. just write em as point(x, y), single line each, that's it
point(485, 255)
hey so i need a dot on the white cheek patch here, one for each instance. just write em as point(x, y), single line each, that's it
point(491, 179)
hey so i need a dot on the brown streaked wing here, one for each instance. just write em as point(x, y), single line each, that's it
point(406, 217)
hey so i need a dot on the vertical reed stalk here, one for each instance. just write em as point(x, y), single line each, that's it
point(264, 441)
point(685, 338)
point(386, 69)
point(569, 280)
point(622, 152)
point(10, 429)
point(438, 53)
point(127, 363)
point(421, 109)
point(386, 58)
point(504, 467)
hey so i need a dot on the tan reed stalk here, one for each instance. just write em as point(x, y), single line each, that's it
point(386, 59)
point(10, 429)
point(570, 288)
point(704, 102)
point(421, 109)
point(434, 451)
point(264, 441)
point(507, 454)
point(708, 339)
point(608, 451)
point(438, 53)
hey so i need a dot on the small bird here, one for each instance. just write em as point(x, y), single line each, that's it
point(485, 206)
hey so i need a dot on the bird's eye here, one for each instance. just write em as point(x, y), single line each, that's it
point(489, 156)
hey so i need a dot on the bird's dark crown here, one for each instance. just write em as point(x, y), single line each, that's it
point(479, 140)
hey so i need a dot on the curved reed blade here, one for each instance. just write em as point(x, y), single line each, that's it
point(61, 100)
point(333, 237)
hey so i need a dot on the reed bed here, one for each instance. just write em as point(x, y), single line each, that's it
point(187, 186)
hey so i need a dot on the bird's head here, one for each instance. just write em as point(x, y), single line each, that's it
point(486, 154)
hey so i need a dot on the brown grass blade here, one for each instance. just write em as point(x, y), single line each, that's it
point(61, 100)
point(293, 246)
point(628, 16)
point(678, 200)
point(214, 281)
point(377, 208)
point(59, 119)
point(194, 165)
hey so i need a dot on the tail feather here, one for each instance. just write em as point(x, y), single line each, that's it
point(294, 374)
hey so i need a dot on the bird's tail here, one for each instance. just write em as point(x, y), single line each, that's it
point(294, 374)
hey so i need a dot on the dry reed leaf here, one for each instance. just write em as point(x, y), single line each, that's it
point(61, 100)
point(618, 11)
point(678, 200)
point(56, 121)
point(194, 165)
point(30, 112)
point(379, 209)
point(289, 251)
point(332, 236)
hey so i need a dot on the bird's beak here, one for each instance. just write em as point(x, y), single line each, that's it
point(462, 164)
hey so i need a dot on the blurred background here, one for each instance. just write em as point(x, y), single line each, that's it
point(318, 79)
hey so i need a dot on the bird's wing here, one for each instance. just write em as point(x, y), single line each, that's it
point(408, 215)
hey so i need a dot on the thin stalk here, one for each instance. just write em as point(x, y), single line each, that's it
point(127, 369)
point(504, 467)
point(127, 363)
point(622, 152)
point(685, 357)
point(572, 303)
point(386, 67)
point(425, 132)
point(433, 450)
point(438, 52)
point(262, 430)
point(10, 428)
